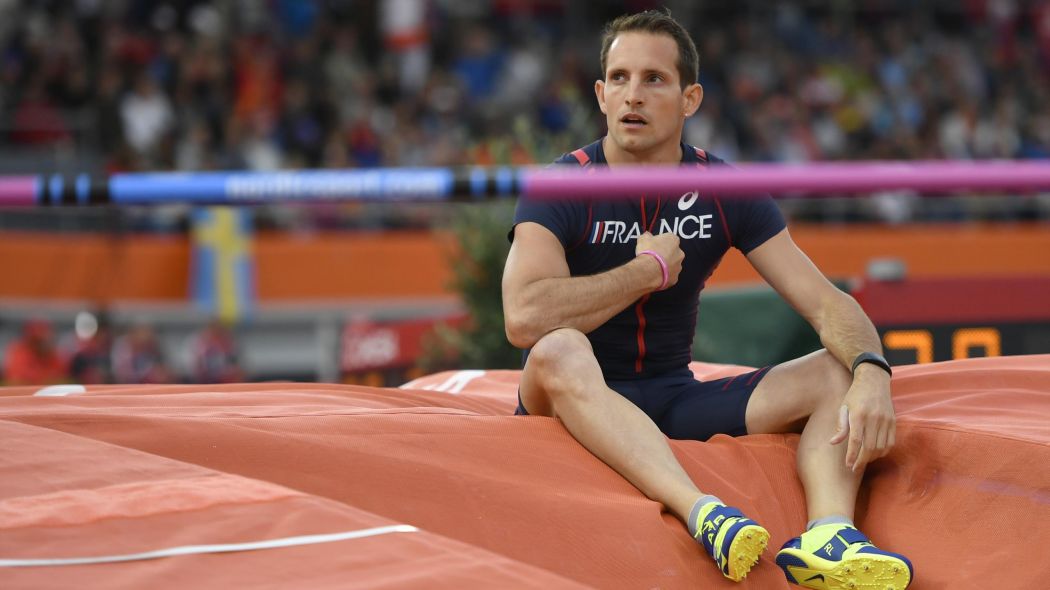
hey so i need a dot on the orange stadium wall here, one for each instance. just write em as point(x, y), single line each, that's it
point(288, 267)
point(416, 264)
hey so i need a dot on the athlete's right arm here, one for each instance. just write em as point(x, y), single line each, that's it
point(539, 295)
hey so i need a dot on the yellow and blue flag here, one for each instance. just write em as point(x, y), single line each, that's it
point(223, 269)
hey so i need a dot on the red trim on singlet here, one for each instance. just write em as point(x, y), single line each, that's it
point(656, 214)
point(721, 214)
point(640, 313)
point(586, 230)
point(725, 226)
point(581, 157)
point(584, 160)
point(639, 310)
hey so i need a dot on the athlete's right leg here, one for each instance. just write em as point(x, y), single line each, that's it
point(562, 379)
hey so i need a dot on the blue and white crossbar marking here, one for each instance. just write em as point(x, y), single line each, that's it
point(560, 182)
point(390, 184)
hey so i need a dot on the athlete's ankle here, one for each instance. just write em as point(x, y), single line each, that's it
point(830, 519)
point(693, 522)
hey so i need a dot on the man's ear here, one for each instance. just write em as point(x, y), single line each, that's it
point(694, 95)
point(599, 93)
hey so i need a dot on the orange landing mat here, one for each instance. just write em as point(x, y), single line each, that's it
point(434, 485)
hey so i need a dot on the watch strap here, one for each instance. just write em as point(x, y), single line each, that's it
point(873, 358)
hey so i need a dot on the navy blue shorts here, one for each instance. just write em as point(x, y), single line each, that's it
point(687, 409)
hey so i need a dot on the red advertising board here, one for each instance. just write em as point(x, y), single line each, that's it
point(369, 345)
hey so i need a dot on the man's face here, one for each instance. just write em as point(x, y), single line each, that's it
point(642, 98)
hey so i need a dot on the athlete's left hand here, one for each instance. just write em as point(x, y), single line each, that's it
point(867, 418)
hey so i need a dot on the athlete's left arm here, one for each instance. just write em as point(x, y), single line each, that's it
point(845, 331)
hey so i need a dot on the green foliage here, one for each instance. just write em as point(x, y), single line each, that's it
point(477, 263)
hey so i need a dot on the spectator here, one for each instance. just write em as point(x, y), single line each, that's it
point(405, 34)
point(91, 362)
point(215, 358)
point(259, 84)
point(479, 64)
point(147, 117)
point(138, 358)
point(37, 121)
point(33, 358)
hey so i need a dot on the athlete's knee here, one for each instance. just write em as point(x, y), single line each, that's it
point(560, 349)
point(822, 381)
point(561, 363)
point(836, 379)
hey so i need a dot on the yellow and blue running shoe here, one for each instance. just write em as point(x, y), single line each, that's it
point(839, 557)
point(733, 540)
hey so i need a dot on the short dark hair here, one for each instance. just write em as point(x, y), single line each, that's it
point(659, 23)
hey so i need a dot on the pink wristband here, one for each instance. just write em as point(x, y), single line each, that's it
point(663, 266)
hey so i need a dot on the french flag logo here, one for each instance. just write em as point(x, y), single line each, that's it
point(598, 227)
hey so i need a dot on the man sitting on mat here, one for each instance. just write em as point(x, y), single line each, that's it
point(605, 296)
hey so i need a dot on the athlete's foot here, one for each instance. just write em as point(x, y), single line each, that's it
point(839, 557)
point(733, 540)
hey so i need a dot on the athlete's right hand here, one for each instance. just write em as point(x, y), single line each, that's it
point(667, 246)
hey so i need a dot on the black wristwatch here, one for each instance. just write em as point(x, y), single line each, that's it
point(873, 358)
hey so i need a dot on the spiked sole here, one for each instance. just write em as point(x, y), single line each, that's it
point(745, 550)
point(858, 572)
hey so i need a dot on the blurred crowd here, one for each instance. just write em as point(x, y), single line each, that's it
point(130, 85)
point(92, 354)
point(904, 82)
point(266, 84)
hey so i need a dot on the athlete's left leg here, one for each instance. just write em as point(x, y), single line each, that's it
point(805, 395)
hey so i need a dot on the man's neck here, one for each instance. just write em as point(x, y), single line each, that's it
point(665, 155)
